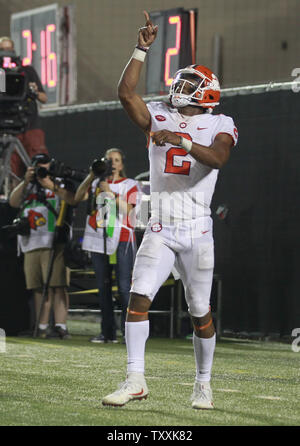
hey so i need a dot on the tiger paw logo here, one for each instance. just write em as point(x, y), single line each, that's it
point(36, 219)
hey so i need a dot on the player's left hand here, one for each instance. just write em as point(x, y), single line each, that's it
point(162, 137)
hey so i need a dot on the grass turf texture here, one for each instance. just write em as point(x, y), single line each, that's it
point(61, 383)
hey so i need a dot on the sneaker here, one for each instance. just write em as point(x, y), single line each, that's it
point(62, 333)
point(134, 388)
point(202, 396)
point(100, 339)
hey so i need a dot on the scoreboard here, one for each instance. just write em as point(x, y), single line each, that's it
point(173, 49)
point(41, 37)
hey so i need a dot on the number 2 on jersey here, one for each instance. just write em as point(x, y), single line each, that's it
point(184, 168)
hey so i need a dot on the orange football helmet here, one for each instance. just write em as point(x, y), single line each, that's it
point(195, 85)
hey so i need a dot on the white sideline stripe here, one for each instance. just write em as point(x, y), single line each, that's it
point(263, 397)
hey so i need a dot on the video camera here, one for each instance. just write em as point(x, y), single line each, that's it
point(17, 103)
point(102, 168)
point(58, 169)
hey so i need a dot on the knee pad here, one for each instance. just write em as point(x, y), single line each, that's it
point(198, 300)
point(198, 309)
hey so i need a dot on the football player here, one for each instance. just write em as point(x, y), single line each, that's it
point(187, 146)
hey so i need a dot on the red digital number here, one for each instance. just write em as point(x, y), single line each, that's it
point(185, 167)
point(48, 58)
point(43, 58)
point(51, 58)
point(173, 20)
point(26, 33)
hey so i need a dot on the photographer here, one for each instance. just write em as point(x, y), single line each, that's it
point(42, 199)
point(33, 139)
point(110, 190)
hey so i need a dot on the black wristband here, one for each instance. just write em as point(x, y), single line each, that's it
point(142, 48)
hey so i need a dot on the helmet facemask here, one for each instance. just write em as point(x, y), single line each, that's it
point(190, 87)
point(184, 88)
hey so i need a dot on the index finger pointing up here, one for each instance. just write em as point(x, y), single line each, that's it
point(148, 21)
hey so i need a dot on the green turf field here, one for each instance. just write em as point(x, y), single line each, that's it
point(60, 383)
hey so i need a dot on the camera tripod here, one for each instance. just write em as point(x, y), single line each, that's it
point(59, 223)
point(9, 144)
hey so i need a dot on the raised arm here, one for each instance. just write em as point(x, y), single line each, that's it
point(17, 195)
point(82, 190)
point(131, 101)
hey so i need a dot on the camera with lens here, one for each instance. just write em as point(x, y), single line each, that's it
point(58, 169)
point(102, 168)
point(17, 103)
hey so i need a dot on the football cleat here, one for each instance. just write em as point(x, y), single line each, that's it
point(202, 396)
point(134, 388)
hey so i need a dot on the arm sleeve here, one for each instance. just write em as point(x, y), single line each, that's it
point(131, 196)
point(226, 125)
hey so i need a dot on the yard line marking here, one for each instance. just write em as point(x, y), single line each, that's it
point(228, 390)
point(265, 397)
point(217, 390)
point(81, 366)
point(51, 360)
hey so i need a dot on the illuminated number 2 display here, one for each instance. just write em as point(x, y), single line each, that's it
point(174, 47)
point(173, 20)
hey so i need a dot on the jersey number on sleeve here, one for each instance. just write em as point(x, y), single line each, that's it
point(184, 168)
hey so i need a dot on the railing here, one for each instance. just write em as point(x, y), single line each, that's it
point(111, 105)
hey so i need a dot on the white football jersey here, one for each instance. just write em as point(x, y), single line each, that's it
point(181, 187)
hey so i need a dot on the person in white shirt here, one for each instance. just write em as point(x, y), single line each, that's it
point(43, 198)
point(187, 146)
point(122, 193)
